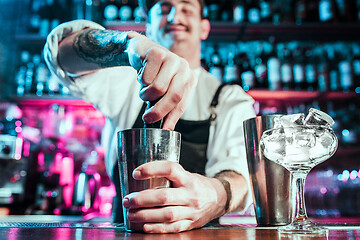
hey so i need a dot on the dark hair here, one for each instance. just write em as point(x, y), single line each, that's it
point(146, 5)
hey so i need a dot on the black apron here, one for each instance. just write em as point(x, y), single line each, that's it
point(194, 141)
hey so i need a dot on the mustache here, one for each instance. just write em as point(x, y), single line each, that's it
point(169, 26)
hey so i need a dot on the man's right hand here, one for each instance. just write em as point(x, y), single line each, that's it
point(163, 75)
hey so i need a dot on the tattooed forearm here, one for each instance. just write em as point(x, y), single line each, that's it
point(103, 47)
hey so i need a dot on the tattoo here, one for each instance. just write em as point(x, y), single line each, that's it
point(106, 48)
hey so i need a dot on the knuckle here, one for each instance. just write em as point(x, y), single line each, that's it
point(159, 88)
point(169, 215)
point(164, 198)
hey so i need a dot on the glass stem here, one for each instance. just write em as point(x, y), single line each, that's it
point(299, 182)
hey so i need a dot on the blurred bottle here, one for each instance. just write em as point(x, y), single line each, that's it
point(231, 70)
point(299, 69)
point(239, 14)
point(41, 77)
point(111, 10)
point(356, 63)
point(261, 72)
point(253, 13)
point(310, 70)
point(273, 66)
point(247, 73)
point(332, 59)
point(301, 12)
point(20, 75)
point(29, 76)
point(349, 126)
point(213, 10)
point(226, 11)
point(276, 11)
point(347, 10)
point(138, 13)
point(125, 11)
point(265, 10)
point(286, 68)
point(328, 11)
point(35, 18)
point(345, 70)
point(215, 64)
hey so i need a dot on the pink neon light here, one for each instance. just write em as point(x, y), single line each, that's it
point(18, 123)
point(18, 148)
point(18, 129)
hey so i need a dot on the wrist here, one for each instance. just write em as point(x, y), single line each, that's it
point(227, 188)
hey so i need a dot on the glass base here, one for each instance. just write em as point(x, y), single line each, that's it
point(303, 227)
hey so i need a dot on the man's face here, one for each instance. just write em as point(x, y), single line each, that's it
point(177, 25)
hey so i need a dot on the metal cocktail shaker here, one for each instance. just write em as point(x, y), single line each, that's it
point(142, 145)
point(271, 183)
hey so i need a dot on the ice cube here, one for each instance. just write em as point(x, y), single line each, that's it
point(296, 155)
point(303, 139)
point(324, 145)
point(292, 120)
point(317, 117)
point(273, 144)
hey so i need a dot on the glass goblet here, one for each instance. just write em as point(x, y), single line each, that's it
point(299, 148)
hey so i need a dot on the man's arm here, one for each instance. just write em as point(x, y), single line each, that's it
point(162, 74)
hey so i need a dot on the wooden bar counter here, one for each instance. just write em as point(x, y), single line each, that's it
point(61, 227)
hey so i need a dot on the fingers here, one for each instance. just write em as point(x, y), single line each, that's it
point(167, 77)
point(160, 215)
point(155, 198)
point(170, 170)
point(174, 227)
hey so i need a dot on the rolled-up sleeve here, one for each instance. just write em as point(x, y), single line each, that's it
point(51, 49)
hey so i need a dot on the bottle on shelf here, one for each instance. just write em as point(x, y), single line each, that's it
point(265, 10)
point(273, 66)
point(327, 11)
point(345, 69)
point(331, 63)
point(286, 67)
point(239, 12)
point(247, 73)
point(20, 76)
point(226, 11)
point(138, 13)
point(215, 64)
point(253, 11)
point(111, 10)
point(261, 72)
point(310, 70)
point(299, 69)
point(231, 70)
point(29, 76)
point(213, 10)
point(125, 11)
point(301, 11)
point(276, 12)
point(356, 65)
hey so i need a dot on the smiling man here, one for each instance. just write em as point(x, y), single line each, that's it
point(119, 71)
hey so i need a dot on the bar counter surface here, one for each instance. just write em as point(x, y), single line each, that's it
point(63, 227)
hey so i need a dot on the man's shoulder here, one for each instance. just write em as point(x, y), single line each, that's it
point(209, 79)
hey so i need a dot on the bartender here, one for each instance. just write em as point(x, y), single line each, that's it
point(119, 71)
